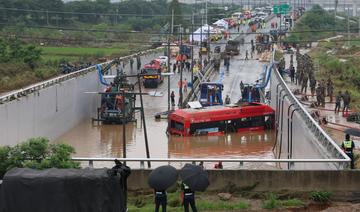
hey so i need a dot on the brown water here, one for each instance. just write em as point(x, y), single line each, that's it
point(91, 140)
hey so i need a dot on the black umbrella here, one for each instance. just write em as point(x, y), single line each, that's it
point(195, 177)
point(163, 177)
point(352, 131)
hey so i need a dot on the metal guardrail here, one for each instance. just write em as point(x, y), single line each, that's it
point(194, 160)
point(326, 142)
point(38, 86)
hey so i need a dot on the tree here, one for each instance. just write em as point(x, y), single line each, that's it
point(36, 153)
point(175, 9)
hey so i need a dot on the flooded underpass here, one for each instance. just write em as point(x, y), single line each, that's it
point(93, 140)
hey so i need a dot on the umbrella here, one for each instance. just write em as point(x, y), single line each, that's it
point(353, 131)
point(162, 177)
point(195, 177)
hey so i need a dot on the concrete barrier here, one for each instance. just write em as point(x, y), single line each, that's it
point(268, 180)
point(53, 110)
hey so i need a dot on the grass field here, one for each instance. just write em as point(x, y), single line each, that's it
point(78, 53)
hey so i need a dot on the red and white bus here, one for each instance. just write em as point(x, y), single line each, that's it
point(218, 120)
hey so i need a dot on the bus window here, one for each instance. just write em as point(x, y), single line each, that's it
point(209, 126)
point(177, 125)
point(257, 121)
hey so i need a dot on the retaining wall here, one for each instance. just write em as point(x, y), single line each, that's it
point(268, 180)
point(53, 110)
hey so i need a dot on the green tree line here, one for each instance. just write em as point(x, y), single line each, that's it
point(140, 14)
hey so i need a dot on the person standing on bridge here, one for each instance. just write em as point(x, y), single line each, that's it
point(346, 99)
point(338, 102)
point(227, 100)
point(185, 84)
point(172, 97)
point(227, 62)
point(131, 64)
point(174, 68)
point(292, 73)
point(330, 89)
point(138, 62)
point(348, 146)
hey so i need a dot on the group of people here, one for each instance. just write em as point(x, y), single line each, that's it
point(188, 199)
point(188, 195)
point(274, 25)
point(184, 65)
point(305, 77)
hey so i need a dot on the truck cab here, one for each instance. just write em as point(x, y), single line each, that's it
point(154, 70)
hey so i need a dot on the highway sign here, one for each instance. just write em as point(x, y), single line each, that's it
point(281, 9)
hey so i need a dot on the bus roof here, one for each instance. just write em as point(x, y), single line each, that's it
point(224, 112)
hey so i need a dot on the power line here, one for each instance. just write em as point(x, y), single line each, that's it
point(102, 14)
point(168, 33)
point(149, 42)
point(107, 14)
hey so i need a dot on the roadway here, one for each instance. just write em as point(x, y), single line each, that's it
point(91, 140)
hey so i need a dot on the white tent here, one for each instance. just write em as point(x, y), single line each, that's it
point(201, 34)
point(222, 24)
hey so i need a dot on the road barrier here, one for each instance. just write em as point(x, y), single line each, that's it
point(38, 86)
point(304, 137)
point(51, 108)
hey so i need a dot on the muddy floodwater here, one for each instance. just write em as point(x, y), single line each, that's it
point(92, 140)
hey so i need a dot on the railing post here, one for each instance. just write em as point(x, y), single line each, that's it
point(142, 165)
point(91, 163)
point(241, 163)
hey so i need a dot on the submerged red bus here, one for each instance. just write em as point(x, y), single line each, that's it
point(217, 120)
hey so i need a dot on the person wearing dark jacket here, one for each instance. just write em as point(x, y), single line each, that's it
point(160, 200)
point(188, 198)
point(346, 99)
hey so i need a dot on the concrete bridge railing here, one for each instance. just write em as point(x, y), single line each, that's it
point(51, 108)
point(298, 135)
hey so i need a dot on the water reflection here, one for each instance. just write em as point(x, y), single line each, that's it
point(236, 145)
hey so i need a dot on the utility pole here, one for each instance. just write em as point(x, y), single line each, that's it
point(123, 125)
point(181, 70)
point(192, 54)
point(208, 43)
point(169, 70)
point(47, 17)
point(348, 26)
point(172, 21)
point(206, 11)
point(335, 10)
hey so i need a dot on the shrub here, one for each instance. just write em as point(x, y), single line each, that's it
point(36, 153)
point(271, 201)
point(320, 196)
